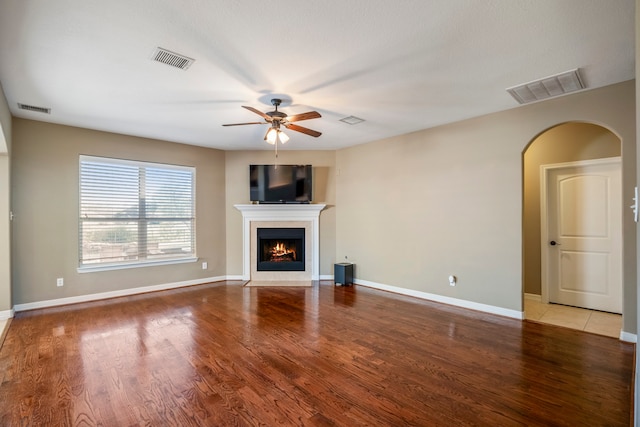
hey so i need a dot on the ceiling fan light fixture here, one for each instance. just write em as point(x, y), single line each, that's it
point(271, 136)
point(274, 134)
point(283, 137)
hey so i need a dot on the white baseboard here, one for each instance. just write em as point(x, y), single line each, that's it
point(234, 277)
point(326, 277)
point(628, 337)
point(533, 297)
point(4, 328)
point(114, 294)
point(7, 314)
point(445, 300)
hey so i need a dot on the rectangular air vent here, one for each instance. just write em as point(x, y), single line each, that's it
point(548, 87)
point(34, 108)
point(352, 120)
point(171, 58)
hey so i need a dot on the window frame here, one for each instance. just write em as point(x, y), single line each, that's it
point(142, 220)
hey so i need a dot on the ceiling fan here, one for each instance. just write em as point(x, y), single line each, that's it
point(278, 119)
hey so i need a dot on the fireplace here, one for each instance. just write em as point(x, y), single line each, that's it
point(280, 249)
point(288, 216)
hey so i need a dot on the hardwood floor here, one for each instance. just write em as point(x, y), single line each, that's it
point(221, 354)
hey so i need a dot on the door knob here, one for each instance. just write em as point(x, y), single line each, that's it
point(554, 243)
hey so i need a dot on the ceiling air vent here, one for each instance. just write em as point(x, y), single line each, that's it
point(171, 58)
point(549, 87)
point(34, 108)
point(352, 120)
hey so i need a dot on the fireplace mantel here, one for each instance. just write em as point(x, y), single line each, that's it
point(281, 213)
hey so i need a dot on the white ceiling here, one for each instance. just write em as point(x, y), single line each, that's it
point(399, 65)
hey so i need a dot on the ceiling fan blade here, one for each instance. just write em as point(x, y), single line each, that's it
point(307, 131)
point(304, 116)
point(258, 112)
point(241, 124)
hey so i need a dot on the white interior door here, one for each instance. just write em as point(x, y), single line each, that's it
point(582, 234)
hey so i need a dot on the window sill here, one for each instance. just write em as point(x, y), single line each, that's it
point(97, 268)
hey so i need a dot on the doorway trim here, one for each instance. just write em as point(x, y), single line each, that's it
point(545, 171)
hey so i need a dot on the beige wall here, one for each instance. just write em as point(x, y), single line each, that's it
point(5, 206)
point(413, 209)
point(408, 210)
point(45, 202)
point(237, 179)
point(564, 143)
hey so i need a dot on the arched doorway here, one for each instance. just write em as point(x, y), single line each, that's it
point(562, 144)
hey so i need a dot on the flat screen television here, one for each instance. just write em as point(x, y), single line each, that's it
point(280, 183)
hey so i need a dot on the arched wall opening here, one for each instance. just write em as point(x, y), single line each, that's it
point(566, 142)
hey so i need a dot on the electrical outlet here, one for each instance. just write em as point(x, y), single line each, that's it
point(452, 280)
point(60, 281)
point(205, 265)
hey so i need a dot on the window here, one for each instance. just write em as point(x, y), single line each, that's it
point(135, 213)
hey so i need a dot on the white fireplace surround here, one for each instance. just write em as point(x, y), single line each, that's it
point(282, 213)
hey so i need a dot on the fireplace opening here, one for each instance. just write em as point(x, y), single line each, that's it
point(280, 249)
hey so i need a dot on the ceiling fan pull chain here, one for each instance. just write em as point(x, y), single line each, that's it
point(276, 161)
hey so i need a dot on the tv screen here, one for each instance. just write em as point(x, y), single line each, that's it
point(280, 183)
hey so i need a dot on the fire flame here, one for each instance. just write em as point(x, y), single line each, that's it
point(280, 250)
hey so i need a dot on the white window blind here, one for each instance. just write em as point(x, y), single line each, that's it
point(135, 212)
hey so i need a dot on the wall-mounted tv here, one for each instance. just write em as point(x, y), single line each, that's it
point(280, 183)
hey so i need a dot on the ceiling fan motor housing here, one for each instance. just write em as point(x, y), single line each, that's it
point(277, 115)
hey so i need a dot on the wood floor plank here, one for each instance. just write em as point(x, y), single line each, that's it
point(222, 354)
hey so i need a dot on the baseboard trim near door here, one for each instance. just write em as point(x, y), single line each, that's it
point(628, 337)
point(533, 297)
point(7, 314)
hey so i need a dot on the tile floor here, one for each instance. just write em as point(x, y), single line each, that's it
point(596, 322)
